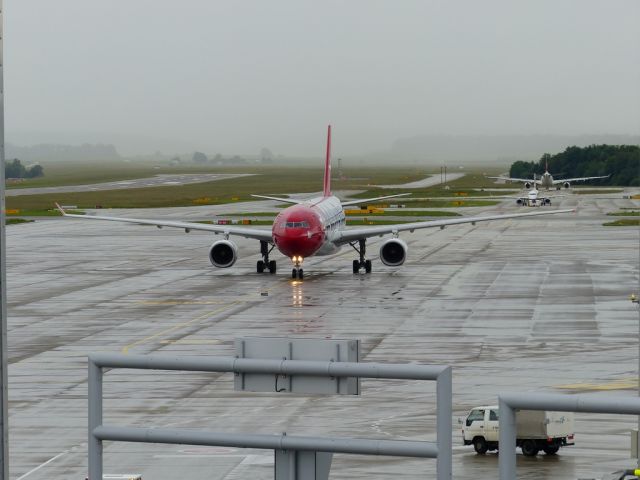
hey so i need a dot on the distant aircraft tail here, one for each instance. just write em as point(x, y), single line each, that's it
point(326, 191)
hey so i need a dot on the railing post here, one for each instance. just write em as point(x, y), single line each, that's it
point(507, 441)
point(299, 465)
point(95, 420)
point(444, 400)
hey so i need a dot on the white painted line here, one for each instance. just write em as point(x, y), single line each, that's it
point(43, 465)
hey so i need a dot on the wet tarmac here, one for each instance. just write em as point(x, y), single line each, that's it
point(513, 306)
point(427, 182)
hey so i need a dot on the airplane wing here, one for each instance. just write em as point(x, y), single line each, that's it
point(579, 179)
point(524, 180)
point(285, 200)
point(365, 200)
point(351, 235)
point(253, 233)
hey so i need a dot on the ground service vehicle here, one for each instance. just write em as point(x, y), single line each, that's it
point(535, 430)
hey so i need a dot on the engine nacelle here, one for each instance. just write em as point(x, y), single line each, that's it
point(566, 184)
point(528, 185)
point(393, 252)
point(547, 201)
point(520, 202)
point(223, 254)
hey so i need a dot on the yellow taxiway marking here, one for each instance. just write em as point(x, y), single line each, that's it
point(622, 384)
point(126, 348)
point(195, 341)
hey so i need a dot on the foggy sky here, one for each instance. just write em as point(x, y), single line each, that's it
point(235, 76)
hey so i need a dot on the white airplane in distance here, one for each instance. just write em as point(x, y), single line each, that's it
point(547, 181)
point(533, 199)
point(312, 227)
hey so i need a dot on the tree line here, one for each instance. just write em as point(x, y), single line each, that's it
point(621, 162)
point(15, 169)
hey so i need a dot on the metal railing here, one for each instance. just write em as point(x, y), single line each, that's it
point(509, 403)
point(441, 450)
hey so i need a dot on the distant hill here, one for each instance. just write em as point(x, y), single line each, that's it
point(54, 152)
point(496, 147)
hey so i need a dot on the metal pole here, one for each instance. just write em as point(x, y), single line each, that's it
point(4, 400)
point(444, 393)
point(94, 392)
point(506, 440)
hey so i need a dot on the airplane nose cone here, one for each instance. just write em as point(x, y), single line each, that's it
point(299, 245)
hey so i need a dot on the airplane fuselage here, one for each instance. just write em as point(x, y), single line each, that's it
point(309, 228)
point(546, 181)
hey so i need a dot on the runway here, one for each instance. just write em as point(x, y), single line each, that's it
point(162, 180)
point(536, 304)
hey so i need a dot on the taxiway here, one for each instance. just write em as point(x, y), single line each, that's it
point(513, 306)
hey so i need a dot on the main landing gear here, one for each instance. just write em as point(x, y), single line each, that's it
point(265, 263)
point(297, 272)
point(362, 251)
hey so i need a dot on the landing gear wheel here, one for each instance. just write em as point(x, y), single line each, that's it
point(362, 262)
point(480, 445)
point(529, 448)
point(551, 449)
point(300, 274)
point(265, 263)
point(356, 266)
point(294, 273)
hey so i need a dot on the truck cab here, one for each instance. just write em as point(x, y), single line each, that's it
point(480, 429)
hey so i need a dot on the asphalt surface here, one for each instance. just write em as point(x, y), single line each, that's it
point(426, 182)
point(162, 180)
point(513, 306)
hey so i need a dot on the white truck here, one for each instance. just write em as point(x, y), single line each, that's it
point(535, 430)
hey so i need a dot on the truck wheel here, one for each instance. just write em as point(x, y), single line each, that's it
point(551, 449)
point(529, 448)
point(480, 445)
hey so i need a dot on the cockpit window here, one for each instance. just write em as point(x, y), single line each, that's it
point(296, 225)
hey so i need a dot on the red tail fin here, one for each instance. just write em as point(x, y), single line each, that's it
point(327, 167)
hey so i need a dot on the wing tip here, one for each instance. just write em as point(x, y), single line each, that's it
point(60, 209)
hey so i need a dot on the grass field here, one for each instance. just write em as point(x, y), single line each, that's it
point(272, 180)
point(625, 213)
point(17, 221)
point(470, 185)
point(624, 222)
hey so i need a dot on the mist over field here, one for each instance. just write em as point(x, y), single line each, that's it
point(430, 80)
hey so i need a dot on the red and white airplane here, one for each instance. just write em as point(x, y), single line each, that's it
point(312, 227)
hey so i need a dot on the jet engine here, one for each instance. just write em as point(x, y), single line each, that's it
point(566, 184)
point(223, 254)
point(547, 201)
point(520, 202)
point(528, 185)
point(393, 252)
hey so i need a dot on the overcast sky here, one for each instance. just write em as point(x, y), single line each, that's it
point(235, 76)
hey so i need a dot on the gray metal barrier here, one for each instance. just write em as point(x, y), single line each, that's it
point(441, 450)
point(509, 403)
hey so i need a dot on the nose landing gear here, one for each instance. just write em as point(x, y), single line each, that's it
point(297, 271)
point(265, 263)
point(362, 263)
